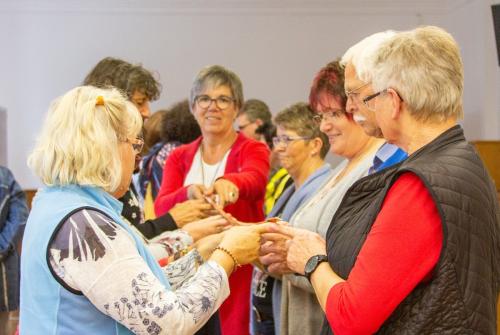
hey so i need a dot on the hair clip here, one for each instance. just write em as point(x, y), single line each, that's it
point(99, 101)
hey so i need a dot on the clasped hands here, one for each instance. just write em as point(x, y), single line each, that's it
point(277, 248)
point(286, 250)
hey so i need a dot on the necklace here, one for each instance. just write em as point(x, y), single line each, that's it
point(202, 163)
point(223, 159)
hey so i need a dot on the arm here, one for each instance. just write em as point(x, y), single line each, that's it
point(172, 190)
point(14, 211)
point(170, 244)
point(154, 227)
point(183, 269)
point(178, 216)
point(92, 254)
point(404, 245)
point(251, 178)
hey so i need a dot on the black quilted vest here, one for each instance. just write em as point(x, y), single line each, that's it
point(461, 297)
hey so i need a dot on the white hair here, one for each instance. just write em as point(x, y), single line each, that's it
point(362, 54)
point(78, 143)
point(424, 66)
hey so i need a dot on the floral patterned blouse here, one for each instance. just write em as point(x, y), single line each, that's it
point(92, 254)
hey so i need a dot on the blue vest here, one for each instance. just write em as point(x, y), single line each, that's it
point(46, 306)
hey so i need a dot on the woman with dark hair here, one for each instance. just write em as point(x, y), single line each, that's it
point(300, 312)
point(140, 87)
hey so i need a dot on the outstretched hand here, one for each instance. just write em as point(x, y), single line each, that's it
point(211, 225)
point(244, 241)
point(188, 211)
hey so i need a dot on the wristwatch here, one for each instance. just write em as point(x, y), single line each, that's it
point(313, 263)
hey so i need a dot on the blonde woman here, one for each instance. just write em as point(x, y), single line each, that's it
point(84, 270)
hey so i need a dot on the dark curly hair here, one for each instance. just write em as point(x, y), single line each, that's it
point(125, 76)
point(178, 124)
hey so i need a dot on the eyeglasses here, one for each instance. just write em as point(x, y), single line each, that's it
point(286, 140)
point(328, 116)
point(369, 102)
point(353, 94)
point(222, 102)
point(137, 144)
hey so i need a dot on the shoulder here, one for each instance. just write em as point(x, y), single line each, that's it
point(86, 227)
point(89, 216)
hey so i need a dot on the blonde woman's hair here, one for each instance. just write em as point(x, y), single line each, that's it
point(78, 143)
point(362, 54)
point(424, 66)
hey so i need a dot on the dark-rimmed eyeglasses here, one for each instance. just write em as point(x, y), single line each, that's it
point(328, 115)
point(221, 102)
point(369, 100)
point(286, 140)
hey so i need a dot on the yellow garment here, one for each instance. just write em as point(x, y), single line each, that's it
point(149, 208)
point(274, 188)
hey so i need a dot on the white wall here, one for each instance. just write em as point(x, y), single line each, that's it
point(275, 46)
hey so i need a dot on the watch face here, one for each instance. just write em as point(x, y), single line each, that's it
point(313, 263)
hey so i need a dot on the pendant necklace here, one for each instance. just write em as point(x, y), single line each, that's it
point(202, 163)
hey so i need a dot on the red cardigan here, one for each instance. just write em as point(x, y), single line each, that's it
point(248, 168)
point(399, 253)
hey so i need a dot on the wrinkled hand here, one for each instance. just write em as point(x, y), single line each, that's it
point(273, 253)
point(206, 245)
point(201, 228)
point(188, 211)
point(243, 242)
point(227, 192)
point(196, 191)
point(303, 244)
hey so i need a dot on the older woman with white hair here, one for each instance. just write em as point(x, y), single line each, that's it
point(412, 249)
point(84, 270)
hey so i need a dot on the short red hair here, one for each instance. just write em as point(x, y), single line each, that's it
point(329, 80)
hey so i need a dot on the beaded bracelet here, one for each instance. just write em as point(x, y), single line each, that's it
point(236, 264)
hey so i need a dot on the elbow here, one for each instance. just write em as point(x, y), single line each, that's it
point(345, 316)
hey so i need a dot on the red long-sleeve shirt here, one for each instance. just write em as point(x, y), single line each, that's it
point(248, 168)
point(400, 252)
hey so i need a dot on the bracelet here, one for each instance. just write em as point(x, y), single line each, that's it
point(236, 264)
